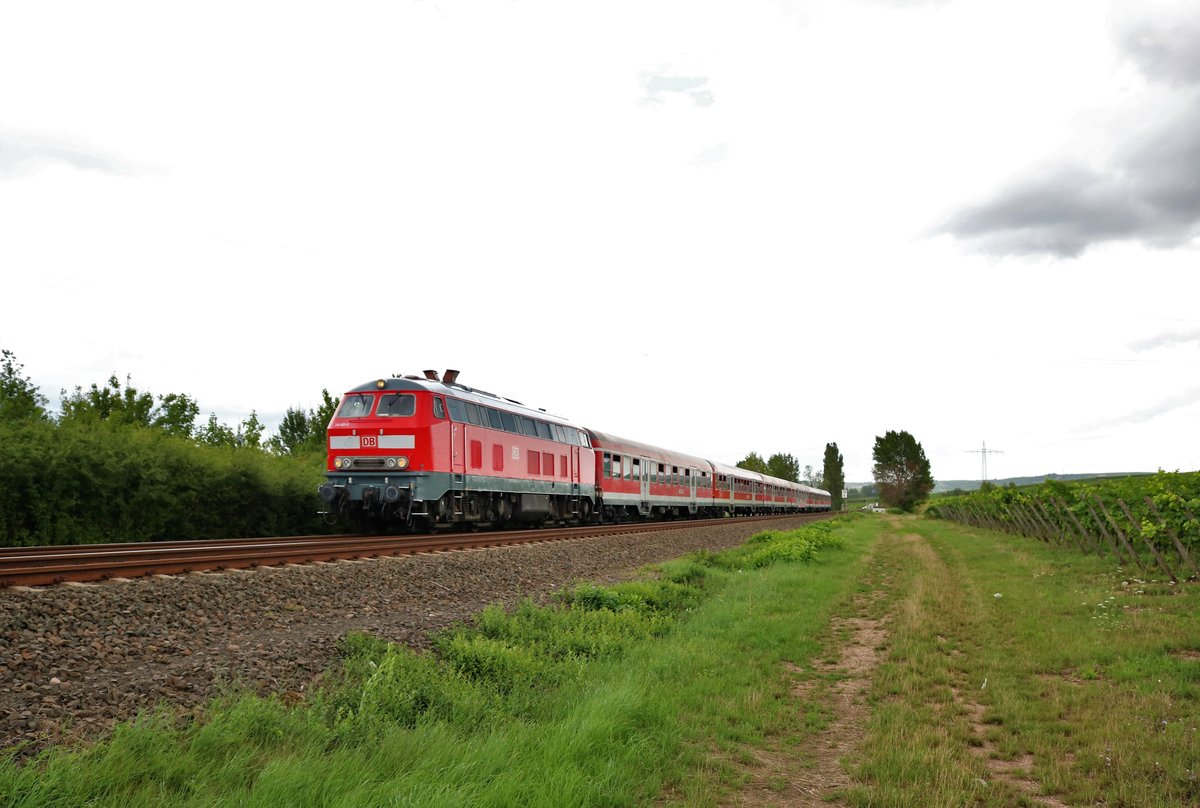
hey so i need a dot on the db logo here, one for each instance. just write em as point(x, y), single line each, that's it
point(369, 441)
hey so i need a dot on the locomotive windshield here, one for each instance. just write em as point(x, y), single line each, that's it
point(397, 404)
point(356, 405)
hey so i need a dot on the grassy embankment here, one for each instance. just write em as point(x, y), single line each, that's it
point(664, 691)
point(610, 701)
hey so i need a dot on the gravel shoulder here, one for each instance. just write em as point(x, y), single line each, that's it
point(75, 659)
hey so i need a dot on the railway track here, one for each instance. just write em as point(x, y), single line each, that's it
point(42, 566)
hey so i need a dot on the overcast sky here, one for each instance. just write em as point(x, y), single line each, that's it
point(719, 227)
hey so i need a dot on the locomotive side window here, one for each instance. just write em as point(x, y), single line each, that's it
point(457, 411)
point(356, 405)
point(510, 422)
point(493, 417)
point(543, 429)
point(397, 405)
point(473, 414)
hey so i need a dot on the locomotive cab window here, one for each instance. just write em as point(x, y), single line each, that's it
point(356, 405)
point(397, 405)
point(439, 409)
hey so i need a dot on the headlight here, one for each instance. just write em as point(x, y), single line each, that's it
point(401, 462)
point(342, 463)
point(391, 462)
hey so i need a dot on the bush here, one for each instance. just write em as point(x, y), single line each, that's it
point(78, 483)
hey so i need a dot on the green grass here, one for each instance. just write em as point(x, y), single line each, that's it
point(1002, 649)
point(611, 698)
point(1080, 678)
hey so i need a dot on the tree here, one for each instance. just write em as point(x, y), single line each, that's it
point(784, 466)
point(753, 463)
point(19, 398)
point(248, 434)
point(293, 432)
point(813, 478)
point(303, 431)
point(174, 413)
point(835, 478)
point(901, 470)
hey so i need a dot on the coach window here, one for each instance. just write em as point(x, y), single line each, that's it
point(616, 467)
point(636, 472)
point(356, 405)
point(607, 464)
point(439, 409)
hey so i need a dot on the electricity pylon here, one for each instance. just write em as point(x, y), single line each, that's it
point(985, 451)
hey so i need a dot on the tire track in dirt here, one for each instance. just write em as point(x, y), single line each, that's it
point(811, 777)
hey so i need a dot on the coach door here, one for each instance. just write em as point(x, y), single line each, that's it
point(692, 486)
point(645, 480)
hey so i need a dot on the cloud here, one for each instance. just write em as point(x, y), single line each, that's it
point(711, 155)
point(657, 85)
point(1178, 401)
point(1148, 190)
point(1166, 339)
point(1165, 47)
point(21, 155)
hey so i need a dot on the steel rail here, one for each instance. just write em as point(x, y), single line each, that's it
point(43, 566)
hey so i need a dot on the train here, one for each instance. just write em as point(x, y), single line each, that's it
point(428, 452)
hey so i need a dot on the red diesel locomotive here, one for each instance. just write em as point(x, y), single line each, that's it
point(430, 452)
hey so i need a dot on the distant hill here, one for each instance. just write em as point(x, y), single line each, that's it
point(941, 486)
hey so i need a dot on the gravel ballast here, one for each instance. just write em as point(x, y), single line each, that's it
point(76, 658)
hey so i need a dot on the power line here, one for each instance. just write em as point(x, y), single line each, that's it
point(985, 451)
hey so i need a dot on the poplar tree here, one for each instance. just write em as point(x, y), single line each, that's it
point(835, 478)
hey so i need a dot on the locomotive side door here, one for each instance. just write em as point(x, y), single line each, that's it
point(458, 448)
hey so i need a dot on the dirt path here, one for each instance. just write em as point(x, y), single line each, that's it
point(784, 775)
point(814, 771)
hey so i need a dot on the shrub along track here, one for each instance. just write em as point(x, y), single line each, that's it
point(76, 658)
